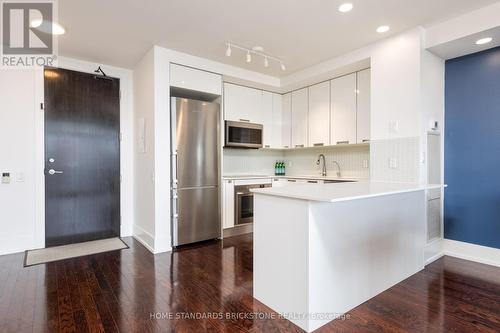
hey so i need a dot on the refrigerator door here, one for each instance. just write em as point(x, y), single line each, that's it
point(195, 142)
point(196, 215)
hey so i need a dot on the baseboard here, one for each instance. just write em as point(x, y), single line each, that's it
point(433, 251)
point(145, 238)
point(238, 230)
point(472, 252)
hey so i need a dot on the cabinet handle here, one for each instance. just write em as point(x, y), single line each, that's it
point(366, 140)
point(342, 142)
point(245, 120)
point(318, 144)
point(286, 147)
point(299, 146)
point(312, 181)
point(267, 146)
point(292, 180)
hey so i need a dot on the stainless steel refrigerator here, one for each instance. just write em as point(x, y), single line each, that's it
point(195, 147)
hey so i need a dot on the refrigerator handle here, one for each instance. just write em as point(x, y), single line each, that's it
point(174, 170)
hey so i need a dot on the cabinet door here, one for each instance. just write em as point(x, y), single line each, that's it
point(343, 114)
point(228, 204)
point(319, 114)
point(286, 121)
point(194, 79)
point(267, 110)
point(363, 112)
point(300, 106)
point(243, 104)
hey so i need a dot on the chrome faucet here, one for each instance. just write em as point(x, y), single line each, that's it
point(320, 157)
point(339, 174)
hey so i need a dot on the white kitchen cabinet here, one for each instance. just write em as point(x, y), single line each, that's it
point(243, 104)
point(195, 79)
point(363, 105)
point(319, 115)
point(286, 121)
point(272, 112)
point(228, 204)
point(343, 110)
point(300, 106)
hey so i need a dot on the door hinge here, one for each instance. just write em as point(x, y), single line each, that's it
point(42, 107)
point(121, 136)
point(121, 178)
point(120, 95)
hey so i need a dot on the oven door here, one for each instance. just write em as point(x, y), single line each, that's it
point(244, 207)
point(243, 135)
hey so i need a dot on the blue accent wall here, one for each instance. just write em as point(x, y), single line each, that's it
point(472, 149)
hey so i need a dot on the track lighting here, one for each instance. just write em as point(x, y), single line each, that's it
point(257, 51)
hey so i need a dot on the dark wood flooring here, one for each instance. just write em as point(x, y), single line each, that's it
point(187, 291)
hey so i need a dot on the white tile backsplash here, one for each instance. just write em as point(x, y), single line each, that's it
point(354, 161)
point(395, 160)
point(250, 161)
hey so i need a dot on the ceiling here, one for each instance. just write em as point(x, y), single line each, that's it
point(301, 33)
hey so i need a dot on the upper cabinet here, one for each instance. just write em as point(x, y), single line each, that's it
point(363, 115)
point(286, 121)
point(328, 113)
point(300, 107)
point(319, 115)
point(243, 104)
point(343, 110)
point(273, 113)
point(195, 79)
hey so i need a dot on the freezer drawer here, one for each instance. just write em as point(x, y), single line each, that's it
point(195, 215)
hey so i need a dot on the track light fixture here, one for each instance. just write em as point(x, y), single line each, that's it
point(254, 51)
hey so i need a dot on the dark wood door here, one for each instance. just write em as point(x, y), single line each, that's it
point(82, 157)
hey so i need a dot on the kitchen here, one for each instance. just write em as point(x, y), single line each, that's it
point(258, 167)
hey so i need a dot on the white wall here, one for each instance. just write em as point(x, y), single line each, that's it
point(21, 132)
point(144, 162)
point(18, 112)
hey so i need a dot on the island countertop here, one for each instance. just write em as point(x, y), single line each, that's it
point(343, 191)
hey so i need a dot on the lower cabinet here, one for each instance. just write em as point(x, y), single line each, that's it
point(228, 204)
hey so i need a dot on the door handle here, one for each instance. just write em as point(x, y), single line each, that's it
point(53, 172)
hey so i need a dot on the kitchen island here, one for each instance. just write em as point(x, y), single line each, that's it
point(321, 250)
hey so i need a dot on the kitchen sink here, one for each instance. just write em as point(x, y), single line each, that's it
point(333, 181)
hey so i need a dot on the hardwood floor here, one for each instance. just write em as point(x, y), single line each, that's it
point(133, 291)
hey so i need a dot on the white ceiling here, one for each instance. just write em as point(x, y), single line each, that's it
point(302, 33)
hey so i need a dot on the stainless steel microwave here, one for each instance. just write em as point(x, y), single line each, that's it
point(243, 135)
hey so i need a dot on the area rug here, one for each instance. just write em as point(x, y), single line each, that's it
point(41, 256)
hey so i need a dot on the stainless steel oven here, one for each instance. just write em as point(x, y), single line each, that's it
point(243, 203)
point(243, 135)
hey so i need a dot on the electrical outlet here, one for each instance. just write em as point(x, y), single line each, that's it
point(365, 164)
point(393, 163)
point(20, 177)
point(394, 126)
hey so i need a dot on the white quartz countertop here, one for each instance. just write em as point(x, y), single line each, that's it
point(342, 191)
point(308, 177)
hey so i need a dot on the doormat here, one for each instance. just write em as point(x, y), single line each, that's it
point(41, 256)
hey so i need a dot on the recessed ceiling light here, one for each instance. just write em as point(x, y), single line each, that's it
point(57, 29)
point(483, 41)
point(345, 7)
point(383, 28)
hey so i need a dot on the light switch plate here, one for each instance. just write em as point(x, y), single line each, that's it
point(365, 164)
point(394, 126)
